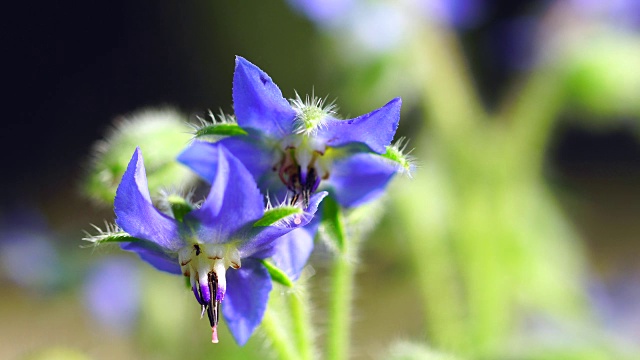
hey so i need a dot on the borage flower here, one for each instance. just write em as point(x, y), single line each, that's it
point(300, 145)
point(230, 230)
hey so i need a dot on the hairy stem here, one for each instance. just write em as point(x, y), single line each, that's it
point(340, 298)
point(302, 326)
point(278, 335)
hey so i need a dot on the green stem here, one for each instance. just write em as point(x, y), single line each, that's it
point(276, 332)
point(302, 326)
point(451, 100)
point(342, 279)
point(426, 228)
point(532, 112)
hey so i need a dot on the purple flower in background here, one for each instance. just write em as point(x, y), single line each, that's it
point(228, 230)
point(456, 13)
point(112, 293)
point(324, 12)
point(617, 303)
point(26, 239)
point(619, 13)
point(343, 14)
point(299, 146)
point(513, 43)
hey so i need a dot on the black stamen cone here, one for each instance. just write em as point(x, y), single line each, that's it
point(309, 186)
point(213, 307)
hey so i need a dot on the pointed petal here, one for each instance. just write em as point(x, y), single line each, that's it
point(233, 201)
point(202, 158)
point(251, 152)
point(153, 255)
point(360, 178)
point(375, 129)
point(292, 251)
point(135, 212)
point(258, 102)
point(261, 240)
point(246, 299)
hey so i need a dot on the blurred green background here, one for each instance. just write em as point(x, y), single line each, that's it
point(516, 238)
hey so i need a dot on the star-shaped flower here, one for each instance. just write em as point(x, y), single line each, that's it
point(300, 145)
point(230, 230)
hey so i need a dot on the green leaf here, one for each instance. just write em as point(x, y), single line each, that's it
point(277, 274)
point(274, 215)
point(224, 129)
point(333, 223)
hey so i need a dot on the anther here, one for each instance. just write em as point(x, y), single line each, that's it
point(213, 307)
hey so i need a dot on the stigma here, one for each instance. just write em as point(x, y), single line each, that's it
point(206, 266)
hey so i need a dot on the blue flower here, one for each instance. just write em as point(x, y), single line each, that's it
point(300, 146)
point(224, 232)
point(112, 293)
point(25, 238)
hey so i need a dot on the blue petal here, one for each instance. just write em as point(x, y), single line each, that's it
point(246, 299)
point(135, 212)
point(202, 159)
point(292, 251)
point(233, 201)
point(258, 102)
point(153, 255)
point(375, 129)
point(261, 240)
point(360, 178)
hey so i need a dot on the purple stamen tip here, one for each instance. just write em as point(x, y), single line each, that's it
point(316, 184)
point(205, 295)
point(197, 294)
point(219, 295)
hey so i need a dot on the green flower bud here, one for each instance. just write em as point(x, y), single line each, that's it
point(161, 133)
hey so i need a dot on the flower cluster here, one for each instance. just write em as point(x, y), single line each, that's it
point(229, 230)
point(299, 146)
point(285, 149)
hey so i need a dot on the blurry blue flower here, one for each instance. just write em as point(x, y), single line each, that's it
point(514, 43)
point(369, 28)
point(326, 13)
point(300, 146)
point(372, 27)
point(617, 304)
point(456, 13)
point(378, 28)
point(25, 239)
point(205, 242)
point(618, 13)
point(112, 293)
